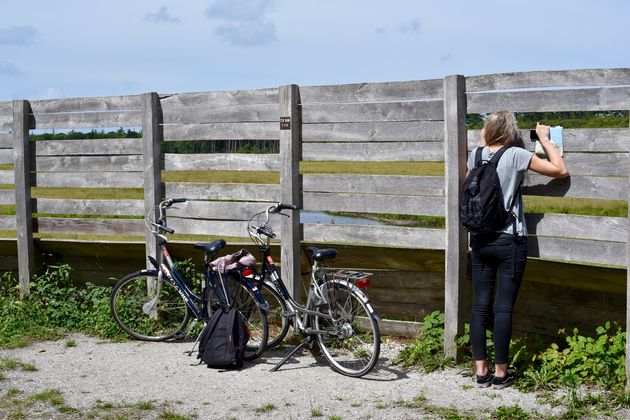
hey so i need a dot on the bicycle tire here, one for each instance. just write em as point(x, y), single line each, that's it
point(254, 317)
point(167, 319)
point(353, 346)
point(278, 323)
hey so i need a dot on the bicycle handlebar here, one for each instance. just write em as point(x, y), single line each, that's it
point(281, 206)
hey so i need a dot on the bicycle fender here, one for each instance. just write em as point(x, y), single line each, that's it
point(364, 298)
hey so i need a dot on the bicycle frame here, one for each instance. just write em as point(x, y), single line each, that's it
point(301, 312)
point(167, 272)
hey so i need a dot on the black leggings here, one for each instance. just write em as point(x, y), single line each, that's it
point(492, 260)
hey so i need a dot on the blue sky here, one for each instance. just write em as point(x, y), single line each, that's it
point(70, 48)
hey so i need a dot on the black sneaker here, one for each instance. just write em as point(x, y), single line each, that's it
point(507, 380)
point(486, 380)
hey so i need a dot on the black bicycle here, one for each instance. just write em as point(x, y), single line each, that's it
point(158, 304)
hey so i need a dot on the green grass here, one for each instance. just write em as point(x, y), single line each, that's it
point(373, 168)
point(266, 408)
point(222, 177)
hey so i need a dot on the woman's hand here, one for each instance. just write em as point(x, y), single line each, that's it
point(555, 165)
point(542, 131)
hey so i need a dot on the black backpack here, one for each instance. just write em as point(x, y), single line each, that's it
point(222, 342)
point(481, 208)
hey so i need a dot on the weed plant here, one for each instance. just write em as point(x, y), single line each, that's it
point(53, 306)
point(590, 370)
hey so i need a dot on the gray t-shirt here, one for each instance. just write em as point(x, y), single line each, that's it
point(511, 170)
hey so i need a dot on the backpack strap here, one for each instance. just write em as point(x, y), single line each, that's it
point(478, 157)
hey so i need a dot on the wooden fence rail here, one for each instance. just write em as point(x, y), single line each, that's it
point(366, 123)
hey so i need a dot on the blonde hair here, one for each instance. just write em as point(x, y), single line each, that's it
point(501, 128)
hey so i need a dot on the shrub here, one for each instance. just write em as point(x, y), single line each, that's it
point(53, 307)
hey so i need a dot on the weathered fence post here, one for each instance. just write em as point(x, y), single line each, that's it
point(455, 138)
point(151, 138)
point(291, 185)
point(23, 206)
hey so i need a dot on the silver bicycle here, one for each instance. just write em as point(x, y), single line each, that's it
point(337, 317)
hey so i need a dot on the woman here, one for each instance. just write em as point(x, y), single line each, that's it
point(493, 254)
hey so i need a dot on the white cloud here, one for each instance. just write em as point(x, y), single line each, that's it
point(411, 27)
point(238, 9)
point(245, 23)
point(49, 93)
point(17, 35)
point(248, 33)
point(9, 69)
point(161, 16)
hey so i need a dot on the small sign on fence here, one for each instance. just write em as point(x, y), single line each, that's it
point(285, 123)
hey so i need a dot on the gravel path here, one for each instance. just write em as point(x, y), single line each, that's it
point(102, 379)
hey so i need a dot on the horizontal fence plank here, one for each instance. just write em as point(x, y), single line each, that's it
point(372, 203)
point(6, 122)
point(578, 227)
point(598, 164)
point(578, 250)
point(220, 99)
point(6, 108)
point(6, 140)
point(88, 180)
point(210, 227)
point(241, 192)
point(375, 184)
point(596, 99)
point(374, 131)
point(88, 147)
point(376, 235)
point(7, 197)
point(577, 139)
point(374, 92)
point(87, 104)
point(239, 113)
point(76, 120)
point(7, 156)
point(89, 226)
point(222, 131)
point(391, 111)
point(222, 162)
point(585, 77)
point(7, 222)
point(89, 207)
point(89, 163)
point(607, 188)
point(216, 210)
point(375, 152)
point(7, 177)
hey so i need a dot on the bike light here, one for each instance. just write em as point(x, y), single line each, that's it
point(363, 283)
point(247, 272)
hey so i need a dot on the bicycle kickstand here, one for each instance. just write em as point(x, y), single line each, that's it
point(190, 352)
point(307, 341)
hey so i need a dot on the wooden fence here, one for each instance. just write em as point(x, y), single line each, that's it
point(411, 121)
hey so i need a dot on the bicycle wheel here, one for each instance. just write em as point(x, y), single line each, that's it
point(353, 341)
point(255, 318)
point(141, 314)
point(278, 324)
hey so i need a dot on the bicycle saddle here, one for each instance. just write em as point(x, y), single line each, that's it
point(211, 248)
point(321, 254)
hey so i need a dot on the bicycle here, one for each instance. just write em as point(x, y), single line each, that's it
point(157, 304)
point(337, 316)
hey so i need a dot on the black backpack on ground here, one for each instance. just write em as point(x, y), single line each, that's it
point(481, 209)
point(222, 341)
